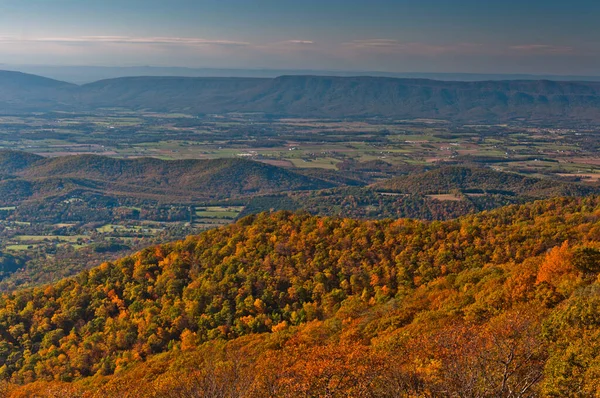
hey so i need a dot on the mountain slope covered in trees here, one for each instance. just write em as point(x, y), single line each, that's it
point(497, 304)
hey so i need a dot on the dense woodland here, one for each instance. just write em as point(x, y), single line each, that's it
point(497, 304)
point(366, 203)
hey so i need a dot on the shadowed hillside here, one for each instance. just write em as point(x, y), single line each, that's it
point(12, 161)
point(316, 96)
point(197, 95)
point(25, 92)
point(415, 194)
point(441, 193)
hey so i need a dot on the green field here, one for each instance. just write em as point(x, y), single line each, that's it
point(214, 216)
point(20, 248)
point(37, 238)
point(136, 229)
point(217, 214)
point(301, 143)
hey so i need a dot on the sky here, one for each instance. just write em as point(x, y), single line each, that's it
point(430, 36)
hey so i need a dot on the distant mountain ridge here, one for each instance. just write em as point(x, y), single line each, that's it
point(316, 96)
point(88, 74)
point(25, 93)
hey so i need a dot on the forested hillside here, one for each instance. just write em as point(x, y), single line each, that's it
point(178, 180)
point(479, 180)
point(498, 304)
point(46, 183)
point(12, 161)
point(441, 193)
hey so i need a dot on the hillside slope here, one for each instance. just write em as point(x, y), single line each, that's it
point(441, 193)
point(12, 161)
point(480, 180)
point(198, 95)
point(496, 302)
point(25, 92)
point(177, 180)
point(266, 187)
point(218, 177)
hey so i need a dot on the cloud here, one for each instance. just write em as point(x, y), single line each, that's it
point(542, 49)
point(123, 50)
point(183, 41)
point(296, 53)
point(373, 43)
point(289, 48)
point(304, 42)
point(396, 47)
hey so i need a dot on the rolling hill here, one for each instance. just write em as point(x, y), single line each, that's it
point(480, 180)
point(182, 180)
point(484, 305)
point(316, 96)
point(12, 161)
point(37, 177)
point(414, 194)
point(441, 193)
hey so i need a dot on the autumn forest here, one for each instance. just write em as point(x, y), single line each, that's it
point(498, 304)
point(298, 236)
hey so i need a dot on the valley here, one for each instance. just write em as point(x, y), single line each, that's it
point(307, 143)
point(298, 235)
point(85, 186)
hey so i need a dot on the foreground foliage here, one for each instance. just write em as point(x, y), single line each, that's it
point(498, 304)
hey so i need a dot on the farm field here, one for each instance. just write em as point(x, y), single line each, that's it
point(306, 143)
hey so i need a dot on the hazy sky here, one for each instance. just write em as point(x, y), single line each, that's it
point(485, 36)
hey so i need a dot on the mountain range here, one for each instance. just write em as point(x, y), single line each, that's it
point(540, 101)
point(89, 74)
